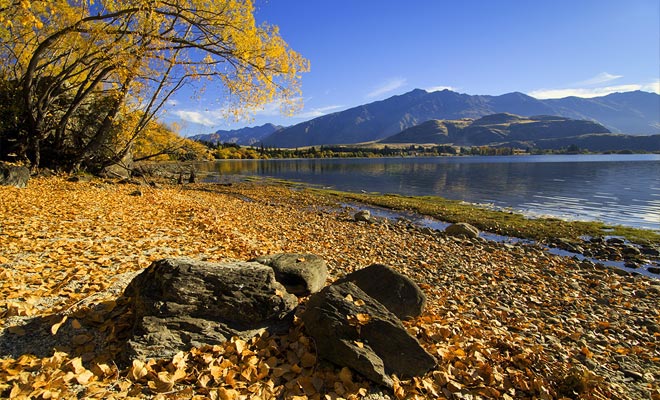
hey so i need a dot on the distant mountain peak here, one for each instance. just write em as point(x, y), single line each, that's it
point(244, 136)
point(630, 112)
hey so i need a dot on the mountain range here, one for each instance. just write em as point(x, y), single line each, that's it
point(494, 129)
point(244, 136)
point(509, 130)
point(630, 112)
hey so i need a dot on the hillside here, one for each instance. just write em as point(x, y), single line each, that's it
point(631, 112)
point(602, 143)
point(494, 129)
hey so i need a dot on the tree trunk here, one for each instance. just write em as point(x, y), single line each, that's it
point(36, 148)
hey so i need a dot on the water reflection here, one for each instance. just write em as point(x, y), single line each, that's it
point(611, 188)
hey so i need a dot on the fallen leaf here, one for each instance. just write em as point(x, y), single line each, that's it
point(56, 326)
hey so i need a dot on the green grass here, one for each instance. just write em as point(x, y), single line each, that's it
point(494, 221)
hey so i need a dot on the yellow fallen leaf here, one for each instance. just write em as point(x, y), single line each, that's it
point(84, 377)
point(363, 318)
point(76, 365)
point(240, 345)
point(227, 394)
point(56, 326)
point(137, 371)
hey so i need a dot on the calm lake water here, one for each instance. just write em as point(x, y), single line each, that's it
point(616, 189)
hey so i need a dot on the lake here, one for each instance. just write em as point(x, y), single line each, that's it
point(616, 189)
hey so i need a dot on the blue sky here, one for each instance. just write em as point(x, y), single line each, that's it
point(368, 50)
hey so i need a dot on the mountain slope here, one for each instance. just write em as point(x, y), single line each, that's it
point(632, 112)
point(494, 129)
point(244, 136)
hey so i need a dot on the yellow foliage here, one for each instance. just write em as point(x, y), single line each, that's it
point(158, 142)
point(136, 54)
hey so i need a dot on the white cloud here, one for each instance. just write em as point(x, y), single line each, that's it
point(594, 92)
point(221, 115)
point(196, 117)
point(600, 78)
point(653, 87)
point(318, 112)
point(386, 87)
point(440, 88)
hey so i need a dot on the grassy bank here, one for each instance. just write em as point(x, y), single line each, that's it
point(500, 222)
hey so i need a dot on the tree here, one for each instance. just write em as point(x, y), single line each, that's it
point(90, 76)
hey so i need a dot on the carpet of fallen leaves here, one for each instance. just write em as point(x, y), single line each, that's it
point(505, 321)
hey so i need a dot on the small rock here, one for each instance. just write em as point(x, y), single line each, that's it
point(648, 377)
point(462, 229)
point(654, 270)
point(654, 289)
point(650, 251)
point(634, 375)
point(362, 216)
point(128, 181)
point(79, 178)
point(630, 251)
point(136, 193)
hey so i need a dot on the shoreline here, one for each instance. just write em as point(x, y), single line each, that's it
point(581, 207)
point(503, 319)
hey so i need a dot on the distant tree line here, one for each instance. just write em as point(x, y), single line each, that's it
point(223, 151)
point(226, 151)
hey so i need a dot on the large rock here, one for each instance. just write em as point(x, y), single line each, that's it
point(352, 329)
point(362, 216)
point(122, 169)
point(398, 293)
point(182, 303)
point(462, 229)
point(301, 274)
point(12, 175)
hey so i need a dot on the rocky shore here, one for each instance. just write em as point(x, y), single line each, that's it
point(502, 320)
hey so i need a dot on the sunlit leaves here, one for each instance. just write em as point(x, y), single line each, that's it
point(503, 322)
point(121, 61)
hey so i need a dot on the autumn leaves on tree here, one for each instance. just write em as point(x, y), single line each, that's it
point(81, 81)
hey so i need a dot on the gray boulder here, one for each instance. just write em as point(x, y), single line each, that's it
point(301, 274)
point(352, 329)
point(398, 293)
point(12, 175)
point(179, 303)
point(462, 229)
point(362, 216)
